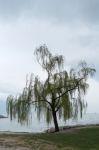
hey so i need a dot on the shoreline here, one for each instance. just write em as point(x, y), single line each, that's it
point(65, 128)
point(52, 130)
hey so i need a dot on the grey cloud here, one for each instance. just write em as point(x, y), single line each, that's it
point(59, 10)
point(10, 9)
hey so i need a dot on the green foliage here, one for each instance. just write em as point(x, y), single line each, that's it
point(62, 92)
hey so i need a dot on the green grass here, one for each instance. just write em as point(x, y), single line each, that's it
point(83, 139)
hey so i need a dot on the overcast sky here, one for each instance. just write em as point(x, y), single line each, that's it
point(67, 27)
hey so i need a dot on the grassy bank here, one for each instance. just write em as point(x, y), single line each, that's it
point(73, 139)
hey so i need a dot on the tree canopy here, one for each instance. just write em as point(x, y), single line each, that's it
point(60, 95)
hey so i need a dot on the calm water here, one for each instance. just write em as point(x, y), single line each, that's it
point(36, 126)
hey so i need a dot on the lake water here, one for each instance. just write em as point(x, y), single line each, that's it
point(36, 126)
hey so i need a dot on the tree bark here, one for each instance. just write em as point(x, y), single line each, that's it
point(55, 121)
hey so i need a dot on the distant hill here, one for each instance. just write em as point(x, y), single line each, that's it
point(1, 116)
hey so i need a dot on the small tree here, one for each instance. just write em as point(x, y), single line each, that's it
point(61, 94)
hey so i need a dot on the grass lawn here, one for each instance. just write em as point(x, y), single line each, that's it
point(75, 139)
point(78, 139)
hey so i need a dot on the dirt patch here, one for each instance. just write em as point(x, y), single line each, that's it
point(13, 148)
point(26, 142)
point(12, 143)
point(18, 142)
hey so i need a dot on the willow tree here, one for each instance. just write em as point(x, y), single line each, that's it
point(61, 95)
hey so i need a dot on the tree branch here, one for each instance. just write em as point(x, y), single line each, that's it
point(71, 89)
point(58, 107)
point(41, 101)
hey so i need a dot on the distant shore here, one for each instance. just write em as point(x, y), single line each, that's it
point(2, 116)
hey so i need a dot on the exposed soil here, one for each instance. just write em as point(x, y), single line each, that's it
point(10, 142)
point(23, 142)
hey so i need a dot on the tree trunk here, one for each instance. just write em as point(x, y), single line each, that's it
point(55, 121)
